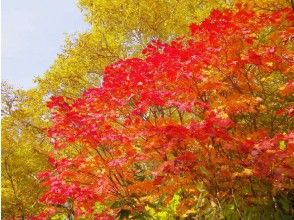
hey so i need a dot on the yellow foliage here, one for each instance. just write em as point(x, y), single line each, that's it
point(119, 29)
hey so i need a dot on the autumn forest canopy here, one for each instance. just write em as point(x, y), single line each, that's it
point(162, 110)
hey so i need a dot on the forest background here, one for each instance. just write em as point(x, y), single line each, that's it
point(118, 30)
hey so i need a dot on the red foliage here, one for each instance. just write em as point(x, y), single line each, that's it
point(195, 109)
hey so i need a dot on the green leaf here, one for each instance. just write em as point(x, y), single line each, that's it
point(282, 145)
point(59, 217)
point(98, 208)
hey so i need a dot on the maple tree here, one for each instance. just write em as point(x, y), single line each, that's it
point(77, 67)
point(131, 24)
point(208, 115)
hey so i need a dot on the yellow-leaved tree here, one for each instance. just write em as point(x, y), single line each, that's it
point(118, 29)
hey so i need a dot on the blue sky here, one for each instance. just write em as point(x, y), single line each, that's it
point(33, 32)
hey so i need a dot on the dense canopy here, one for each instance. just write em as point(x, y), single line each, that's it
point(161, 110)
point(206, 116)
